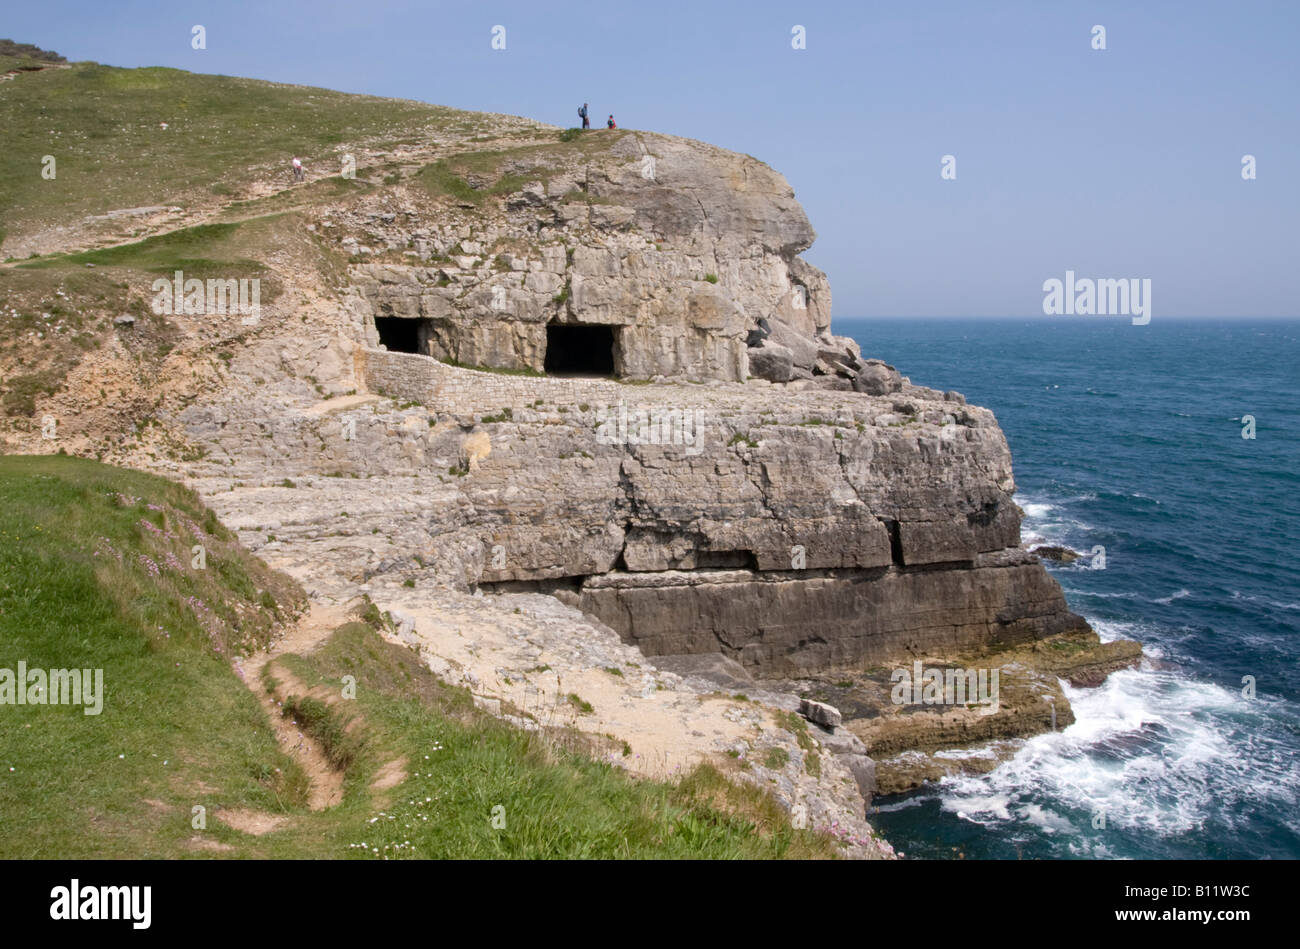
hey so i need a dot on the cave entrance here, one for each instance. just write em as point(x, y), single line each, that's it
point(400, 334)
point(581, 350)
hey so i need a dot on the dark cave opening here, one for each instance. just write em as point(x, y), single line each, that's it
point(400, 334)
point(579, 350)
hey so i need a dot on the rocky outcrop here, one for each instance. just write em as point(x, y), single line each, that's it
point(682, 250)
point(739, 483)
point(863, 617)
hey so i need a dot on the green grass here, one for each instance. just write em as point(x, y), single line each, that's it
point(556, 800)
point(447, 178)
point(797, 726)
point(112, 152)
point(775, 758)
point(582, 705)
point(472, 177)
point(12, 48)
point(189, 249)
point(179, 728)
point(220, 251)
point(9, 63)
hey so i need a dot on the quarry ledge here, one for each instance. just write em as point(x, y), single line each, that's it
point(804, 622)
point(660, 579)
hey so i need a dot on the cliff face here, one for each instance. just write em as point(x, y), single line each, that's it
point(843, 517)
point(676, 247)
point(737, 481)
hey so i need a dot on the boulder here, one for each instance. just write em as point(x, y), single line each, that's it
point(820, 713)
point(803, 348)
point(838, 360)
point(877, 378)
point(842, 344)
point(841, 741)
point(771, 361)
point(1059, 554)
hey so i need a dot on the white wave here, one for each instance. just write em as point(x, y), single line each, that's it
point(915, 800)
point(1176, 595)
point(1150, 751)
point(1104, 596)
point(1046, 821)
point(1111, 630)
point(1275, 604)
point(1037, 508)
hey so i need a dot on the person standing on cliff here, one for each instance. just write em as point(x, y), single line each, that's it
point(610, 123)
point(582, 114)
point(297, 170)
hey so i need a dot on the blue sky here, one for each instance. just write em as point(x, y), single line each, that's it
point(1117, 163)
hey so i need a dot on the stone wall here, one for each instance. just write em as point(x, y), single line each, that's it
point(409, 377)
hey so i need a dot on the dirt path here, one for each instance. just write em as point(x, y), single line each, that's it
point(311, 630)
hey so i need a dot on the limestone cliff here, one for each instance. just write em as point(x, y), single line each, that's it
point(590, 366)
point(677, 247)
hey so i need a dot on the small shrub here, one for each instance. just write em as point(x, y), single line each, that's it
point(775, 758)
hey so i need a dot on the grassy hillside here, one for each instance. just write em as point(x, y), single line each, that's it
point(96, 571)
point(103, 125)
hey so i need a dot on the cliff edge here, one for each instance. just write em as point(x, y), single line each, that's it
point(498, 358)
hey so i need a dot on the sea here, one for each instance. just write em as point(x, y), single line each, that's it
point(1131, 439)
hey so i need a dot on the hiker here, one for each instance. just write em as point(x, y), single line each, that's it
point(582, 114)
point(610, 123)
point(297, 170)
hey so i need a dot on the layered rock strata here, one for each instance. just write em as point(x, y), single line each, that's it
point(738, 481)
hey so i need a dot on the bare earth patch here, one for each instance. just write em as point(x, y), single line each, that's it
point(390, 775)
point(249, 821)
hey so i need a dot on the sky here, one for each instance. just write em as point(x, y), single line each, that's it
point(1123, 162)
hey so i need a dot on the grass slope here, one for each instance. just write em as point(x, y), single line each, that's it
point(103, 126)
point(550, 797)
point(96, 572)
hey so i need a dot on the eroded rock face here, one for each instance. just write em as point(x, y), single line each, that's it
point(680, 248)
point(862, 617)
point(826, 514)
point(791, 531)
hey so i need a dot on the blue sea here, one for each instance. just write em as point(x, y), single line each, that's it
point(1130, 438)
